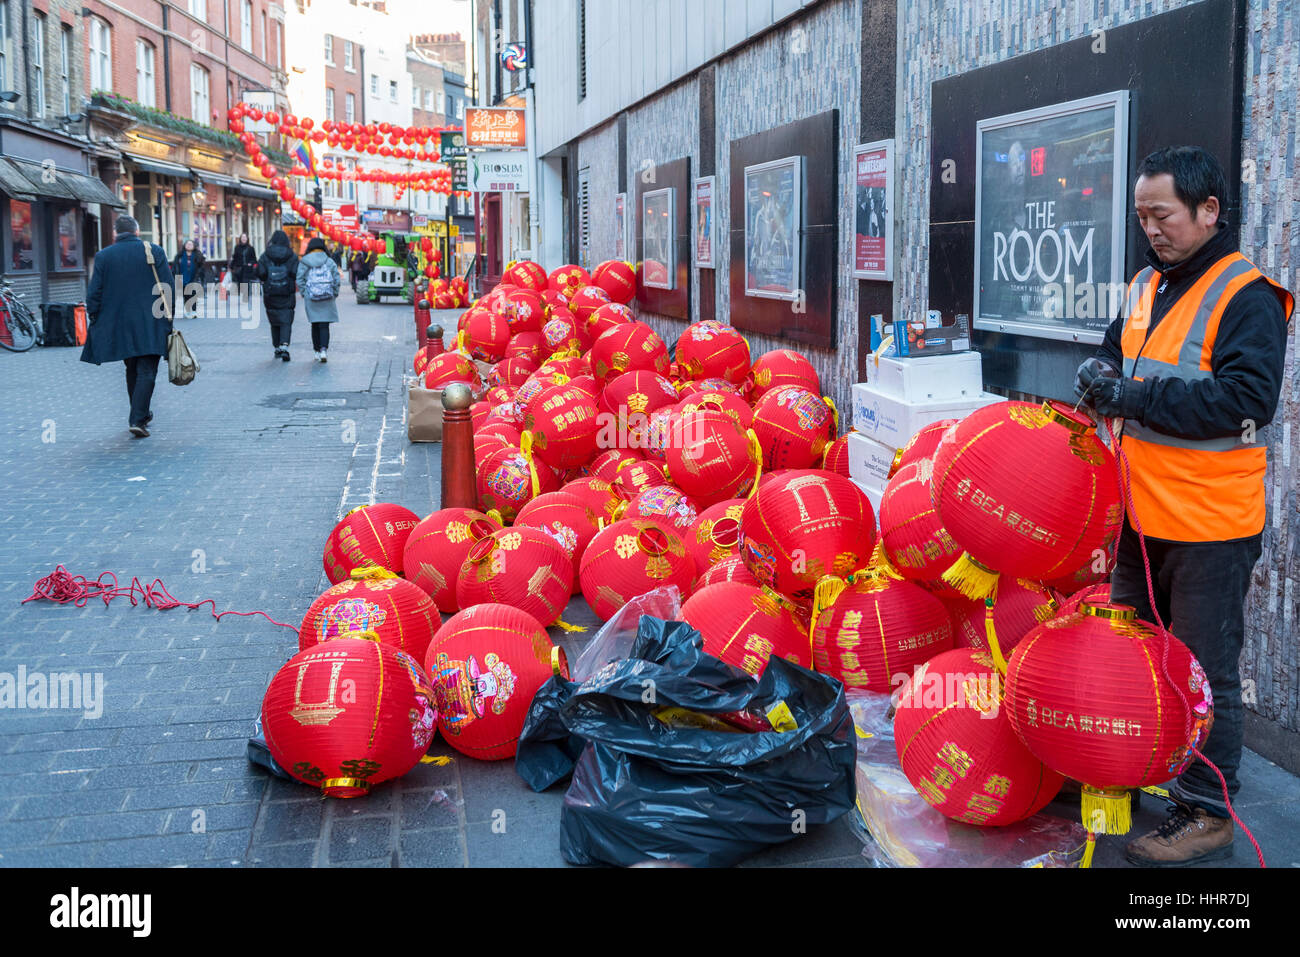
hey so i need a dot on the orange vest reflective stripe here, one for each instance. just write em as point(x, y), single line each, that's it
point(1192, 490)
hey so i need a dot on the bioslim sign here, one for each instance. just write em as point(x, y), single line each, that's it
point(500, 172)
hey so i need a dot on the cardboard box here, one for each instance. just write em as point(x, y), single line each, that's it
point(891, 421)
point(423, 414)
point(869, 460)
point(928, 378)
point(932, 335)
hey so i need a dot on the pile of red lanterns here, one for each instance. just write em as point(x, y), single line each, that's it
point(606, 469)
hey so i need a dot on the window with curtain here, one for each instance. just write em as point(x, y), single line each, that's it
point(145, 87)
point(246, 24)
point(38, 63)
point(199, 8)
point(347, 55)
point(101, 55)
point(200, 95)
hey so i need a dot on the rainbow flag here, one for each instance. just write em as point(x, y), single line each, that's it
point(304, 154)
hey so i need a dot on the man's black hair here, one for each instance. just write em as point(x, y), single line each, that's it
point(1196, 173)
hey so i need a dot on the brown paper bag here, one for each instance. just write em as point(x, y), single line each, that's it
point(423, 414)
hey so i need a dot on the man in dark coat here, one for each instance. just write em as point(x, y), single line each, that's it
point(127, 307)
point(277, 270)
point(243, 268)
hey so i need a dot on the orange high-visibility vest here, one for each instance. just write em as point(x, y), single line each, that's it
point(1192, 490)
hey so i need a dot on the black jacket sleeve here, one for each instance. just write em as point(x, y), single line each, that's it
point(1248, 362)
point(1110, 349)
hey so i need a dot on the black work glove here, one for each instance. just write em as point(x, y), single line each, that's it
point(1090, 371)
point(1117, 398)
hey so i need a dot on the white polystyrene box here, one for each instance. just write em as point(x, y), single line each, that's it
point(891, 420)
point(869, 460)
point(928, 378)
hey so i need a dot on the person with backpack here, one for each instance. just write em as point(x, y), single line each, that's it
point(277, 270)
point(319, 282)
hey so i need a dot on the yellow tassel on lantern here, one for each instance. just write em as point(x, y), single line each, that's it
point(438, 760)
point(372, 571)
point(1106, 810)
point(495, 515)
point(835, 413)
point(880, 563)
point(991, 636)
point(827, 589)
point(1088, 849)
point(526, 447)
point(755, 456)
point(972, 579)
point(1047, 611)
point(564, 625)
point(460, 343)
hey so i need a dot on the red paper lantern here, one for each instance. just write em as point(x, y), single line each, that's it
point(524, 567)
point(659, 431)
point(805, 525)
point(528, 344)
point(781, 367)
point(398, 612)
point(349, 714)
point(1098, 594)
point(729, 402)
point(630, 558)
point(923, 444)
point(507, 479)
point(1025, 490)
point(560, 331)
point(604, 319)
point(617, 279)
point(597, 494)
point(564, 426)
point(438, 547)
point(669, 506)
point(714, 458)
point(526, 274)
point(524, 311)
point(451, 367)
point(637, 477)
point(586, 300)
point(836, 458)
point(634, 395)
point(627, 347)
point(567, 280)
point(793, 426)
point(958, 749)
point(913, 539)
point(512, 372)
point(567, 519)
point(874, 632)
point(711, 349)
point(716, 533)
point(731, 569)
point(1132, 702)
point(486, 664)
point(1016, 607)
point(606, 465)
point(745, 626)
point(1096, 571)
point(487, 336)
point(368, 536)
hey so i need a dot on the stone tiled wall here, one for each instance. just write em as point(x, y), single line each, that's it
point(598, 154)
point(942, 39)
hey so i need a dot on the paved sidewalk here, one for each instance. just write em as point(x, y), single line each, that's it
point(231, 499)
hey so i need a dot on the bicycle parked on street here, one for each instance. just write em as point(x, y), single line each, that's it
point(17, 324)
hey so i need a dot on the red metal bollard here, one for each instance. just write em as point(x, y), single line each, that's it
point(421, 321)
point(435, 346)
point(459, 485)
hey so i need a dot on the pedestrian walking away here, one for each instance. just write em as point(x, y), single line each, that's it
point(188, 267)
point(277, 271)
point(319, 282)
point(127, 316)
point(1200, 355)
point(243, 268)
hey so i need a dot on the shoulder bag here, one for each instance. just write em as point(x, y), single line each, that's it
point(182, 367)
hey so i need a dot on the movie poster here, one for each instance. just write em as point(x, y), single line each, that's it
point(774, 229)
point(658, 228)
point(704, 222)
point(873, 241)
point(1049, 224)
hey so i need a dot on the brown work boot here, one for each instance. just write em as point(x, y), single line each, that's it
point(1190, 836)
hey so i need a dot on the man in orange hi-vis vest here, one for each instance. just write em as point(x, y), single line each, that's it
point(1194, 367)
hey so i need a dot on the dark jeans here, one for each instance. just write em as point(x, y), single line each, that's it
point(1200, 591)
point(141, 372)
point(320, 336)
point(280, 333)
